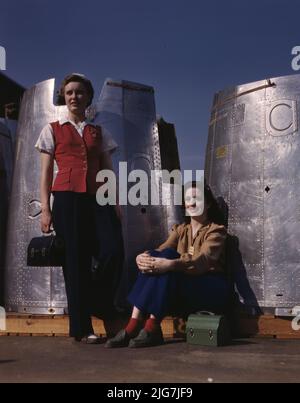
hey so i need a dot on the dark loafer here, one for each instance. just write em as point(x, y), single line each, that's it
point(122, 339)
point(146, 339)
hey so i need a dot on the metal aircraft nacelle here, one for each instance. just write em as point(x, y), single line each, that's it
point(253, 163)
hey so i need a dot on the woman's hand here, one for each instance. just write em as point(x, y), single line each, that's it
point(46, 182)
point(46, 221)
point(141, 260)
point(154, 265)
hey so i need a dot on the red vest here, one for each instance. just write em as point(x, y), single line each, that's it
point(77, 158)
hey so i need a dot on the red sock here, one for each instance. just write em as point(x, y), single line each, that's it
point(152, 325)
point(133, 327)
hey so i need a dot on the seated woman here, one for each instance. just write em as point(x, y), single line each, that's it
point(186, 271)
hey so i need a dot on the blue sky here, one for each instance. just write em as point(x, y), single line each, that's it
point(187, 50)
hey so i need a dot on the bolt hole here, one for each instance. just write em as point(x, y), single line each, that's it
point(279, 295)
point(267, 189)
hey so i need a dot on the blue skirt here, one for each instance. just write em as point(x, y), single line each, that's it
point(178, 293)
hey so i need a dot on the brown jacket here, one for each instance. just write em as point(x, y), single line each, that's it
point(206, 252)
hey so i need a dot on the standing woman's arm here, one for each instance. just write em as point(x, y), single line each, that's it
point(45, 188)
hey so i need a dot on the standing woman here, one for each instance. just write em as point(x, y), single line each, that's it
point(89, 230)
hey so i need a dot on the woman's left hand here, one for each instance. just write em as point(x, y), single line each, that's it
point(155, 265)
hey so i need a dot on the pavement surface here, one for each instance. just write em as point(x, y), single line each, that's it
point(58, 359)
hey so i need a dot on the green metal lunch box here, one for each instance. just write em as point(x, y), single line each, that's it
point(207, 329)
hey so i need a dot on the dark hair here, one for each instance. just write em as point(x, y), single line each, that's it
point(214, 212)
point(78, 78)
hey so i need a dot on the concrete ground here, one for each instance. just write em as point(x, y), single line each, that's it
point(49, 359)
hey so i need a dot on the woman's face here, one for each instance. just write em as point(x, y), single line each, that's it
point(76, 97)
point(194, 202)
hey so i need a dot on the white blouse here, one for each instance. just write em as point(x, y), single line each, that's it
point(46, 140)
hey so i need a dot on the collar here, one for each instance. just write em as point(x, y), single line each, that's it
point(63, 121)
point(206, 224)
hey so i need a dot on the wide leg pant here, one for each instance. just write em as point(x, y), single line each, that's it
point(178, 293)
point(91, 233)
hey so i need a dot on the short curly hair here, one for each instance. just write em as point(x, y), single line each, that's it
point(79, 78)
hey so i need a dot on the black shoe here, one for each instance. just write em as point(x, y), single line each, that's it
point(146, 339)
point(122, 339)
point(90, 339)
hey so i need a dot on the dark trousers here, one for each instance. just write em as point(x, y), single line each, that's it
point(93, 238)
point(178, 293)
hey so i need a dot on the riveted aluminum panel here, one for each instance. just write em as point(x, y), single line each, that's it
point(29, 289)
point(258, 176)
point(6, 169)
